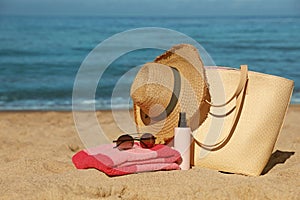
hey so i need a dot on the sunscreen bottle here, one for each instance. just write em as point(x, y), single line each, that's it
point(182, 141)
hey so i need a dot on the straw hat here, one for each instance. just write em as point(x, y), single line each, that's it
point(175, 82)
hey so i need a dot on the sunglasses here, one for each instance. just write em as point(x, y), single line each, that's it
point(125, 142)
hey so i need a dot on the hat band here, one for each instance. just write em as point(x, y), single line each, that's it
point(173, 100)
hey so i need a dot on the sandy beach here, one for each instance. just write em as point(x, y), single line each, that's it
point(37, 147)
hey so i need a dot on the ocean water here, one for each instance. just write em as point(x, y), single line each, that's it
point(41, 55)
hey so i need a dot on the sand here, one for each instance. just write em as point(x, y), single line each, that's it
point(35, 163)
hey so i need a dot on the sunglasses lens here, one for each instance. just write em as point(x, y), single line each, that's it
point(125, 142)
point(147, 140)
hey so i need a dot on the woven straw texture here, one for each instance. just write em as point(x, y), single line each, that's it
point(263, 110)
point(152, 89)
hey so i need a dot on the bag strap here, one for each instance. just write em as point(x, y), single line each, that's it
point(242, 83)
point(240, 96)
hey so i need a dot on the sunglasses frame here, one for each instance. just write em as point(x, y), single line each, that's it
point(147, 136)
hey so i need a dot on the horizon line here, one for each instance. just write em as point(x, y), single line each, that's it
point(146, 15)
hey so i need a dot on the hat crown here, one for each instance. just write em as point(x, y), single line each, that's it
point(152, 88)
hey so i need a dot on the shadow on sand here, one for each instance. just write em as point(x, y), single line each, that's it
point(276, 158)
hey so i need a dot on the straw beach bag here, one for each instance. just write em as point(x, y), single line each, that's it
point(239, 134)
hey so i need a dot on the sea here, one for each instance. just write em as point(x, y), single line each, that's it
point(40, 56)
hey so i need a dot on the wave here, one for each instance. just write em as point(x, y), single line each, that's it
point(37, 94)
point(18, 52)
point(257, 46)
point(296, 97)
point(65, 104)
point(83, 49)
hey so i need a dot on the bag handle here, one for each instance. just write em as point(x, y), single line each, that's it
point(240, 96)
point(242, 83)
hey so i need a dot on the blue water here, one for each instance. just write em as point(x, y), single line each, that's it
point(40, 55)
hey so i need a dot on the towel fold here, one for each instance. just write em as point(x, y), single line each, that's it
point(114, 162)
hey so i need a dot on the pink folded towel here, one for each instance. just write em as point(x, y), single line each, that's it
point(114, 162)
